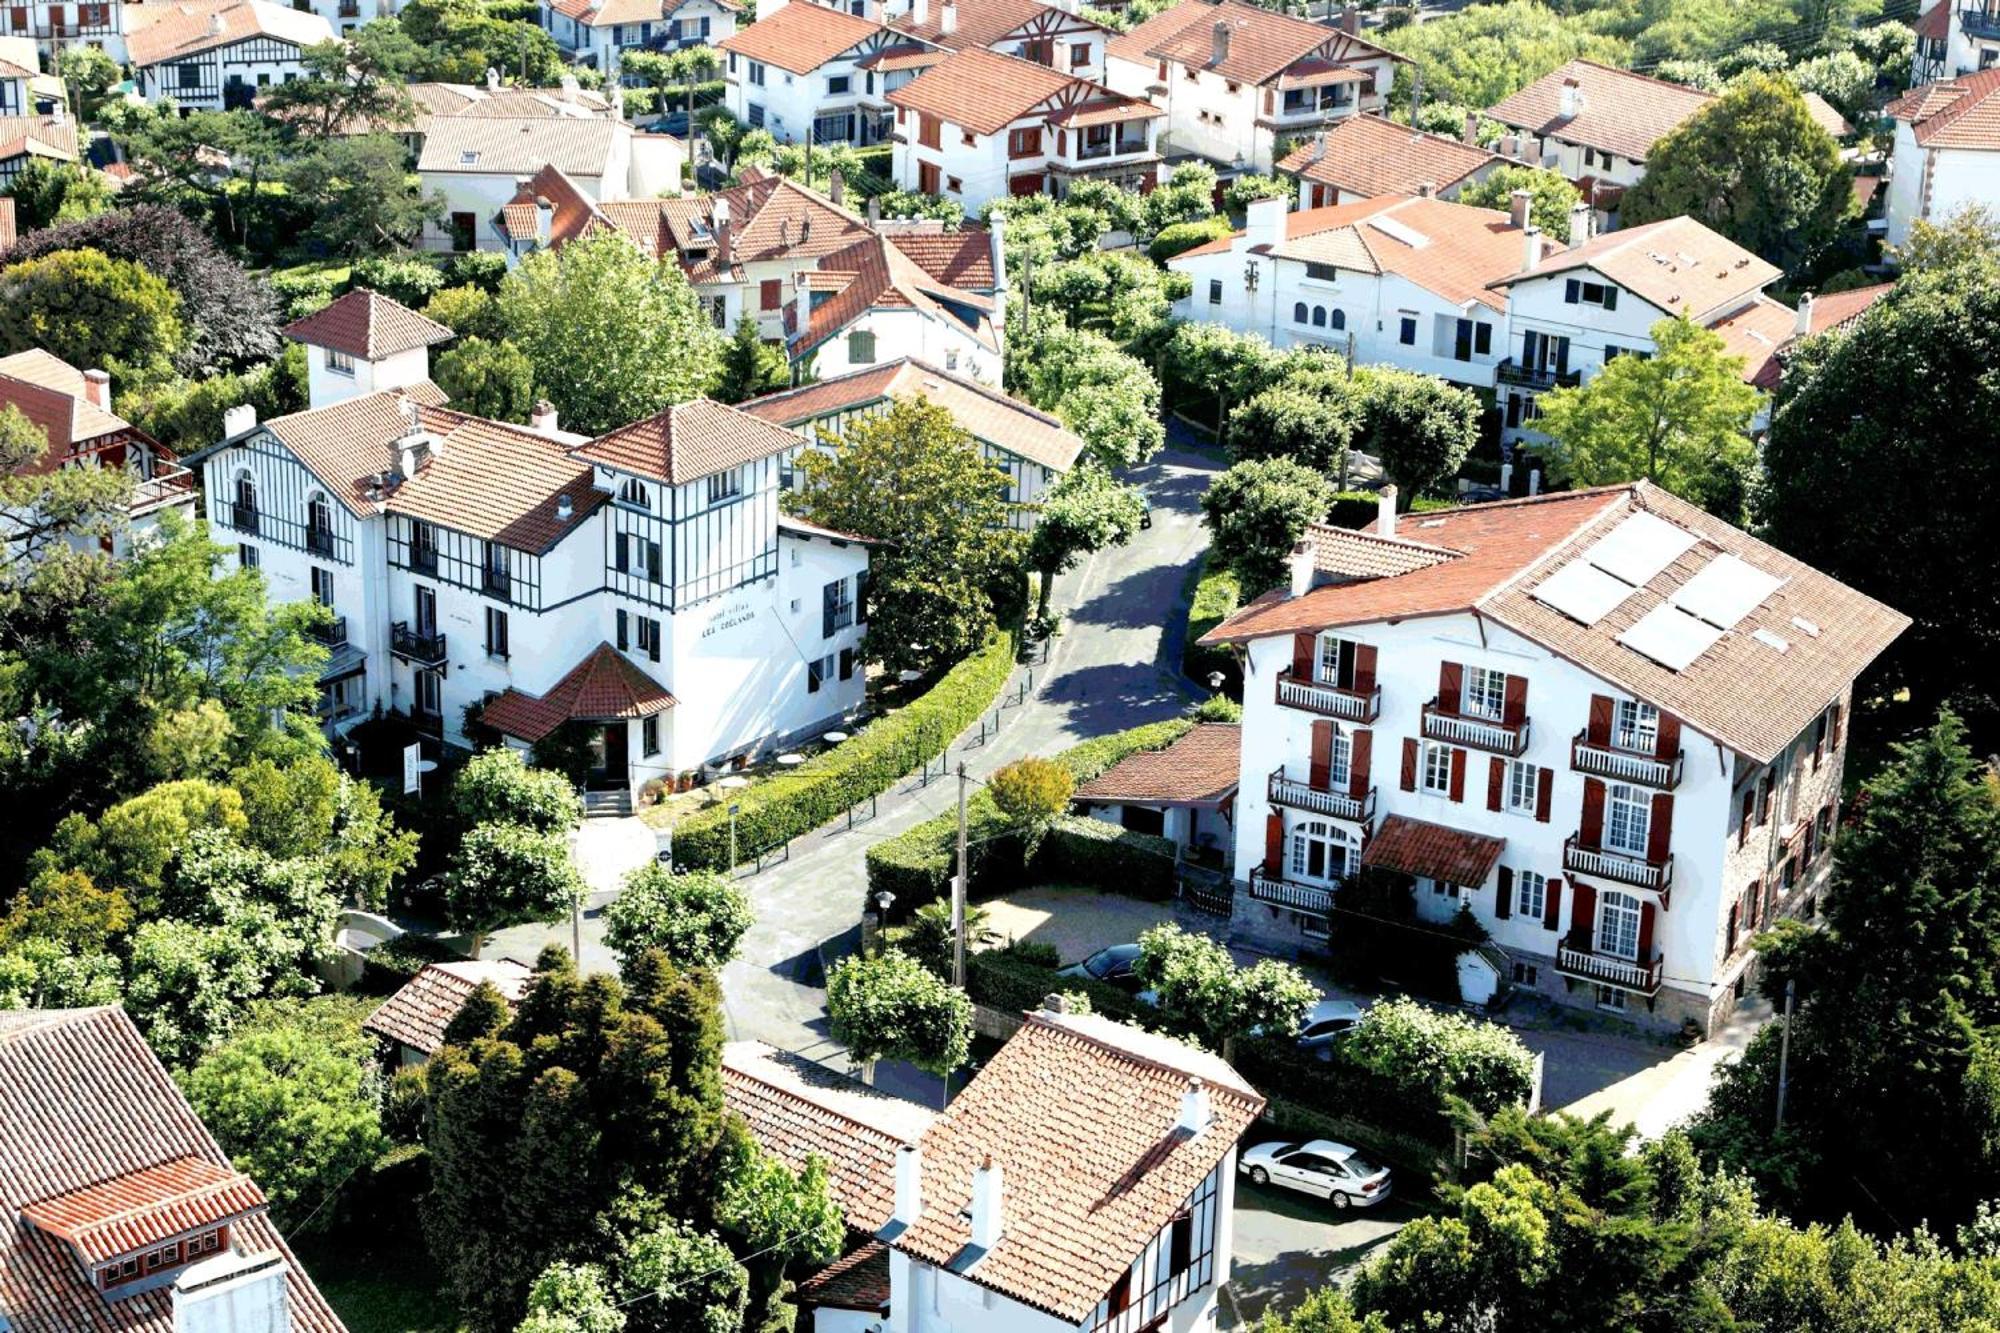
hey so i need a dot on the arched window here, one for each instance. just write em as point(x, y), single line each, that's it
point(1618, 926)
point(634, 492)
point(1339, 318)
point(1322, 853)
point(1299, 313)
point(1319, 316)
point(319, 523)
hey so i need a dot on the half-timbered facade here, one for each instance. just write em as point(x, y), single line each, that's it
point(54, 25)
point(1046, 34)
point(1606, 723)
point(809, 71)
point(599, 33)
point(214, 55)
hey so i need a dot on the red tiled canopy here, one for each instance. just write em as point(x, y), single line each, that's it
point(1434, 851)
point(145, 1208)
point(603, 687)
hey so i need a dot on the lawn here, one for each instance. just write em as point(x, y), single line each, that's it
point(394, 1290)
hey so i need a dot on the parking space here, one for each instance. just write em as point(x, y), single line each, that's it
point(1075, 922)
point(1288, 1245)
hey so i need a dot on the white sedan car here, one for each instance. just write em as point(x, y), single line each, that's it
point(1329, 1170)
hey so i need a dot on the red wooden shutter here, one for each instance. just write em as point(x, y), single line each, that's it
point(1503, 907)
point(1274, 844)
point(1544, 794)
point(1769, 787)
point(1514, 709)
point(1364, 668)
point(1451, 687)
point(1552, 904)
point(1660, 830)
point(1670, 737)
point(1496, 783)
point(1458, 775)
point(1322, 756)
point(1743, 823)
point(1836, 727)
point(1409, 765)
point(1599, 731)
point(1302, 655)
point(1583, 914)
point(1645, 933)
point(1359, 758)
point(1591, 834)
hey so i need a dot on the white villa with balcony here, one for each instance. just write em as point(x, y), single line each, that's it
point(1607, 723)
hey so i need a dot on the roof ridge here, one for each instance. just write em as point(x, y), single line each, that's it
point(805, 1090)
point(1702, 93)
point(1396, 540)
point(1043, 1018)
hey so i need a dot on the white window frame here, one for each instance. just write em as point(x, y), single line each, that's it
point(1436, 775)
point(339, 363)
point(1340, 758)
point(1337, 845)
point(1635, 726)
point(1524, 787)
point(1628, 819)
point(1617, 934)
point(1327, 662)
point(1484, 694)
point(1531, 889)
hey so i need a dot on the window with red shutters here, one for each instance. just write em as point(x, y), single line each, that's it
point(1819, 741)
point(1024, 143)
point(930, 132)
point(1552, 905)
point(770, 294)
point(1735, 911)
point(1274, 845)
point(1645, 933)
point(1321, 770)
point(1743, 822)
point(930, 178)
point(1458, 775)
point(1409, 765)
point(1304, 647)
point(1358, 762)
point(1833, 728)
point(1451, 687)
point(1583, 915)
point(1364, 668)
point(1496, 783)
point(1591, 832)
point(1545, 796)
point(1598, 730)
point(1514, 711)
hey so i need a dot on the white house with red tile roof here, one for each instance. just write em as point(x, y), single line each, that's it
point(598, 33)
point(870, 303)
point(641, 585)
point(1946, 155)
point(23, 139)
point(211, 55)
point(1609, 724)
point(123, 1213)
point(1765, 333)
point(1047, 34)
point(1368, 155)
point(807, 70)
point(1955, 39)
point(54, 25)
point(979, 126)
point(1235, 78)
point(1185, 791)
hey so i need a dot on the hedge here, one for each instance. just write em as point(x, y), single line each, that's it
point(915, 865)
point(1176, 237)
point(785, 805)
point(1358, 509)
point(1216, 597)
point(1012, 984)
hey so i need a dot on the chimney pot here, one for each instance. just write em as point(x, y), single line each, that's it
point(1299, 569)
point(874, 213)
point(97, 385)
point(542, 417)
point(1531, 247)
point(1385, 511)
point(1196, 1112)
point(986, 1205)
point(836, 188)
point(1803, 324)
point(1219, 37)
point(1350, 19)
point(947, 18)
point(1579, 225)
point(1426, 189)
point(564, 508)
point(909, 1205)
point(1055, 1002)
point(1520, 205)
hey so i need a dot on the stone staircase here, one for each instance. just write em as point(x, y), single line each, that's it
point(615, 803)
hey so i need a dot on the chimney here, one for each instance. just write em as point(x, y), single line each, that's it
point(1520, 206)
point(1426, 189)
point(1220, 38)
point(1319, 146)
point(1572, 98)
point(569, 88)
point(986, 1205)
point(97, 384)
point(59, 111)
point(1800, 326)
point(1350, 19)
point(1579, 224)
point(836, 188)
point(542, 417)
point(874, 213)
point(1055, 1002)
point(909, 1186)
point(947, 18)
point(232, 1291)
point(1195, 1109)
point(803, 307)
point(920, 12)
point(1385, 511)
point(1531, 247)
point(238, 419)
point(724, 252)
point(545, 219)
point(1471, 131)
point(1299, 569)
point(1509, 145)
point(492, 79)
point(1264, 221)
point(564, 509)
point(216, 25)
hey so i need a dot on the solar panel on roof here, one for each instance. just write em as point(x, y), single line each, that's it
point(1670, 636)
point(1725, 590)
point(1583, 593)
point(1639, 548)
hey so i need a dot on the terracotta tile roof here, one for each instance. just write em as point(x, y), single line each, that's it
point(1080, 1114)
point(1622, 112)
point(86, 1113)
point(497, 482)
point(859, 1281)
point(956, 256)
point(797, 1110)
point(1433, 851)
point(770, 218)
point(1826, 117)
point(50, 392)
point(1766, 332)
point(982, 22)
point(1348, 554)
point(145, 1208)
point(893, 58)
point(1262, 43)
point(604, 687)
point(1677, 264)
point(18, 59)
point(1956, 113)
point(418, 1014)
point(1198, 769)
point(1369, 155)
point(986, 413)
point(157, 32)
point(1454, 250)
point(1935, 25)
point(38, 136)
point(984, 91)
point(801, 37)
point(368, 327)
point(687, 441)
point(873, 274)
point(349, 443)
point(520, 145)
point(606, 13)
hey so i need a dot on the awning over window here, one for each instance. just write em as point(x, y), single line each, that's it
point(1318, 73)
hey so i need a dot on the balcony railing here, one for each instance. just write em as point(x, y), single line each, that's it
point(333, 634)
point(170, 484)
point(414, 646)
point(498, 583)
point(1478, 732)
point(1096, 152)
point(1624, 765)
point(1329, 700)
point(1622, 972)
point(1266, 888)
point(243, 517)
point(1333, 804)
point(1513, 372)
point(319, 540)
point(1977, 22)
point(1624, 867)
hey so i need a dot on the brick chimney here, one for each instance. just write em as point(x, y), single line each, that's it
point(97, 388)
point(1219, 38)
point(1350, 19)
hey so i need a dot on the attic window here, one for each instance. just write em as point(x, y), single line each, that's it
point(468, 157)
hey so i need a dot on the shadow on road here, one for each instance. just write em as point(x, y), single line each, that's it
point(1099, 700)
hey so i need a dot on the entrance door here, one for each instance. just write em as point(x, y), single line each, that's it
point(464, 228)
point(610, 754)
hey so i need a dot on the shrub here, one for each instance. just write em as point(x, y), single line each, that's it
point(496, 787)
point(1442, 1054)
point(782, 807)
point(1036, 952)
point(1032, 792)
point(696, 919)
point(476, 268)
point(301, 291)
point(409, 281)
point(1216, 597)
point(1014, 982)
point(1177, 237)
point(467, 311)
point(1358, 509)
point(1105, 856)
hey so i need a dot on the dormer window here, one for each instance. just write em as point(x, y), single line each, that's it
point(470, 157)
point(339, 363)
point(135, 1231)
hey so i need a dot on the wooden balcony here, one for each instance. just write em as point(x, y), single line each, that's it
point(1268, 888)
point(1623, 867)
point(1329, 700)
point(1626, 974)
point(170, 484)
point(1624, 765)
point(423, 649)
point(1479, 733)
point(1333, 804)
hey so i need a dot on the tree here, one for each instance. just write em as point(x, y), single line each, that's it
point(1419, 426)
point(460, 41)
point(750, 366)
point(1204, 994)
point(1480, 55)
point(47, 192)
point(492, 380)
point(498, 786)
point(1969, 234)
point(1680, 417)
point(1032, 793)
point(88, 74)
point(933, 937)
point(1551, 196)
point(175, 160)
point(1257, 511)
point(772, 1209)
point(1104, 394)
point(696, 919)
point(309, 808)
point(572, 1298)
point(1755, 166)
point(470, 312)
point(674, 1279)
point(613, 335)
point(1218, 362)
point(1311, 423)
point(66, 907)
point(355, 83)
point(294, 1110)
point(509, 874)
point(90, 310)
point(892, 1006)
point(39, 973)
point(1087, 511)
point(46, 513)
point(358, 191)
point(1246, 190)
point(914, 478)
point(1444, 1054)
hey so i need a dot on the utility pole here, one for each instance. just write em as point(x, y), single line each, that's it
point(576, 932)
point(1785, 1049)
point(958, 887)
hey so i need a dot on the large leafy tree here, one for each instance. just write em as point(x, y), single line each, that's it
point(1257, 511)
point(494, 380)
point(357, 83)
point(1310, 419)
point(1679, 417)
point(310, 808)
point(1420, 426)
point(613, 335)
point(893, 1006)
point(360, 195)
point(1203, 993)
point(50, 517)
point(914, 478)
point(1100, 391)
point(509, 874)
point(1551, 196)
point(696, 919)
point(1755, 166)
point(1085, 512)
point(175, 157)
point(91, 310)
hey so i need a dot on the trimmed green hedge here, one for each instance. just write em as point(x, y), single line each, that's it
point(783, 806)
point(1358, 509)
point(1003, 980)
point(915, 865)
point(1176, 237)
point(1216, 597)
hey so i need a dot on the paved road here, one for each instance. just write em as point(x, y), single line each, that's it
point(1288, 1245)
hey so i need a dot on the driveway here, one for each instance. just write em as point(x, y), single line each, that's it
point(1288, 1245)
point(1075, 922)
